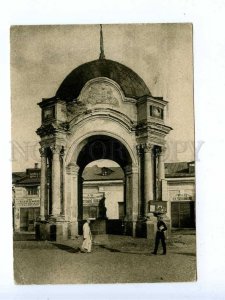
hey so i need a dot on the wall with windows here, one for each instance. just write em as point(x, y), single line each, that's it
point(26, 207)
point(114, 199)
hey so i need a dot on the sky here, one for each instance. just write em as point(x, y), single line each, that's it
point(42, 56)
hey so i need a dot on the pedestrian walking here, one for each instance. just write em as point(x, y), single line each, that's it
point(87, 238)
point(161, 227)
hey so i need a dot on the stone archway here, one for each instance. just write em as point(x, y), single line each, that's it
point(96, 147)
point(100, 104)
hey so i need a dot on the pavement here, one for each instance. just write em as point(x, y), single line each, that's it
point(114, 259)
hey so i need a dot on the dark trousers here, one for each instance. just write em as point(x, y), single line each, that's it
point(160, 236)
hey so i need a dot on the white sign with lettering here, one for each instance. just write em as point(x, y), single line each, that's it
point(27, 202)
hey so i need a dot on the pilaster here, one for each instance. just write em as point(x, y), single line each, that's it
point(43, 183)
point(148, 182)
point(161, 171)
point(72, 171)
point(56, 176)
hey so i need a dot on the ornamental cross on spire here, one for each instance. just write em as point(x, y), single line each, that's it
point(102, 55)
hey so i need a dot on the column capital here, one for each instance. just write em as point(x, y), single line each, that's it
point(148, 147)
point(42, 151)
point(56, 149)
point(72, 169)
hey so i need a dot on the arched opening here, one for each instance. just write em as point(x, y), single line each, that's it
point(98, 147)
point(103, 190)
point(103, 196)
point(104, 184)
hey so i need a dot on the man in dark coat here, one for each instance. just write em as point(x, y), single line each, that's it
point(161, 227)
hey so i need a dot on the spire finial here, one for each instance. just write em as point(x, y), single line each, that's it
point(102, 55)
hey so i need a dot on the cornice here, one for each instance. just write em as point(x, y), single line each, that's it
point(157, 100)
point(151, 127)
point(52, 129)
point(50, 101)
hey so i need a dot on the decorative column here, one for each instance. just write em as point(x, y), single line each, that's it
point(128, 192)
point(141, 212)
point(148, 188)
point(161, 171)
point(161, 163)
point(134, 197)
point(43, 183)
point(56, 203)
point(131, 174)
point(62, 182)
point(72, 198)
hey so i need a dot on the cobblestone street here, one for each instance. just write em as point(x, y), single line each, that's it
point(114, 259)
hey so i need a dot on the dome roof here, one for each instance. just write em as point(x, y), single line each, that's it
point(131, 84)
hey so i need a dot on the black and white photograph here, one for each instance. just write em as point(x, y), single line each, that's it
point(103, 153)
point(112, 149)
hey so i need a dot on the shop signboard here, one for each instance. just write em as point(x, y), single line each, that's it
point(158, 206)
point(27, 202)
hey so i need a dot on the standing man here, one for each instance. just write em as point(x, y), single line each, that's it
point(161, 227)
point(87, 236)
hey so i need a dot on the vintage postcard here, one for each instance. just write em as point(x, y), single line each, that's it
point(103, 153)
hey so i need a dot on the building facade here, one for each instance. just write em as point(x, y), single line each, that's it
point(103, 186)
point(98, 183)
point(180, 179)
point(26, 199)
point(108, 184)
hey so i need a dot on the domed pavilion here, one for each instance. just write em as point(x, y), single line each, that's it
point(101, 110)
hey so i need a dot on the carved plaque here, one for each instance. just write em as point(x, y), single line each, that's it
point(100, 93)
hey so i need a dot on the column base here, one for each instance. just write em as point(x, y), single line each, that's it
point(73, 229)
point(99, 227)
point(141, 228)
point(51, 231)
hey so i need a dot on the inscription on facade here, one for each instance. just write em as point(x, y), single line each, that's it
point(30, 202)
point(92, 199)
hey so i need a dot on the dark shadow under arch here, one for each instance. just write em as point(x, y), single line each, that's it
point(103, 147)
point(100, 147)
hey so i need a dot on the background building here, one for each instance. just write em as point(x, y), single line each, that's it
point(107, 183)
point(180, 178)
point(26, 199)
point(103, 183)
